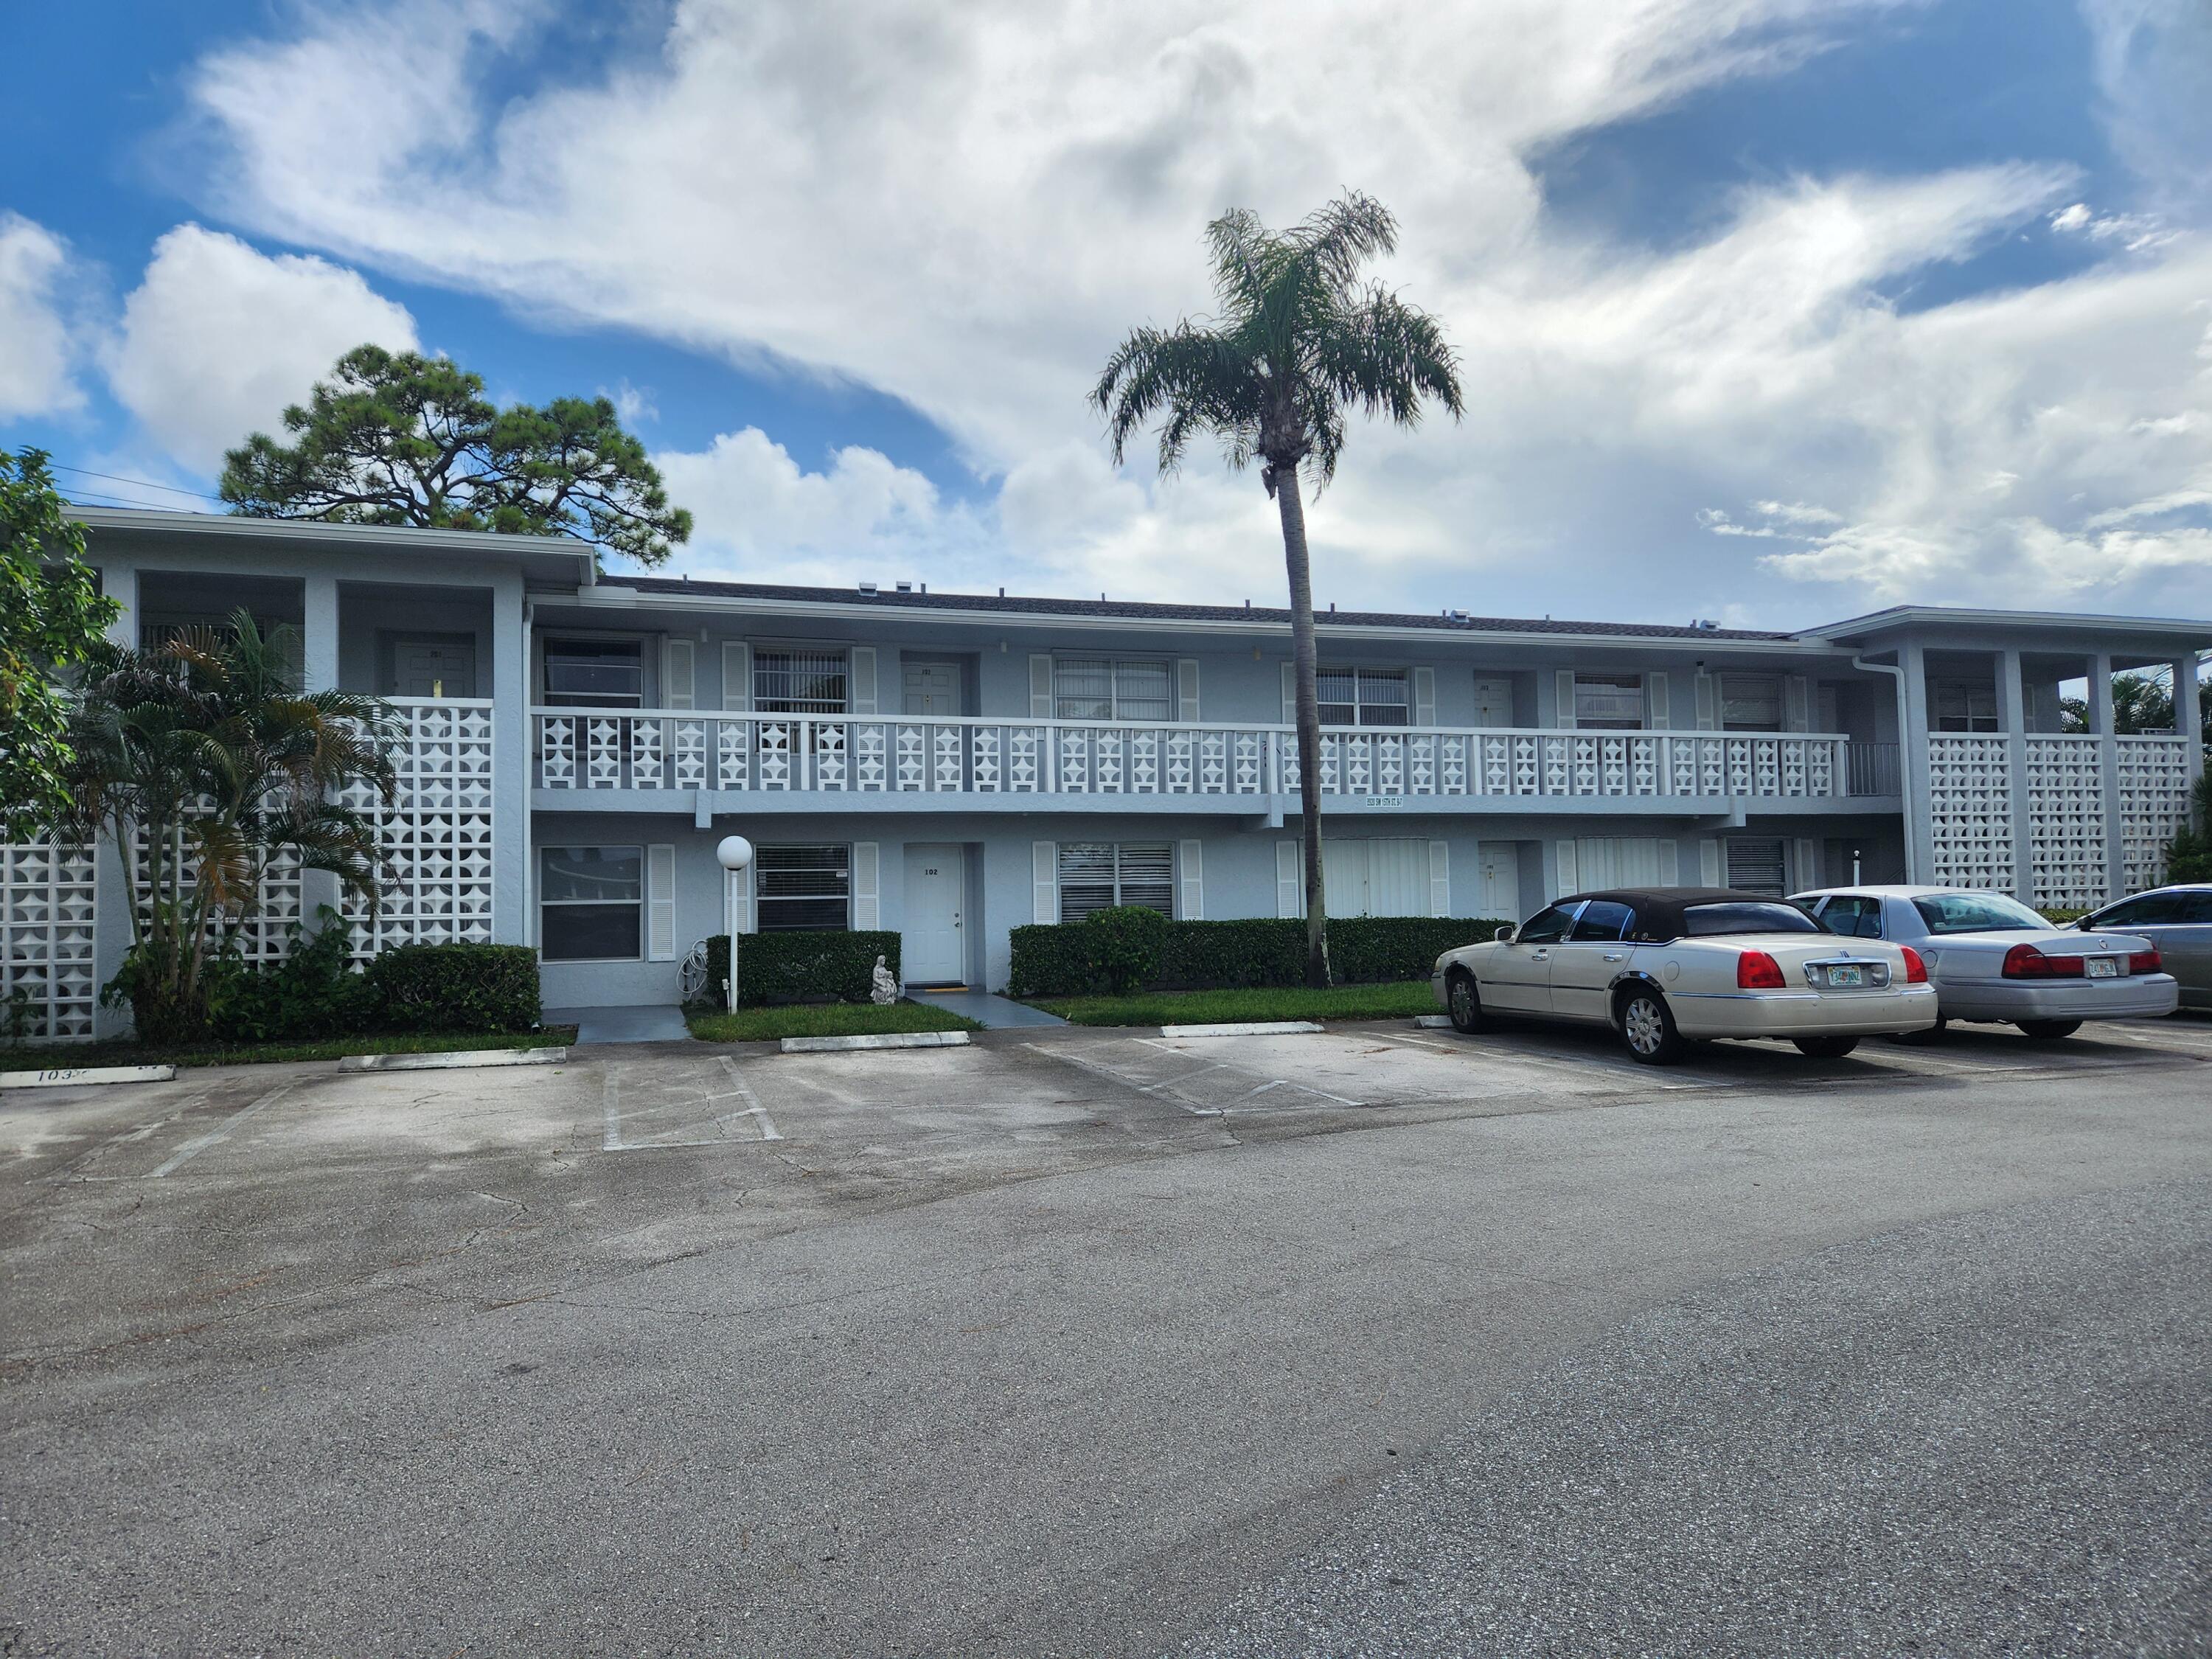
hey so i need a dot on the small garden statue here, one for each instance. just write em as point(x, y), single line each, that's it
point(883, 988)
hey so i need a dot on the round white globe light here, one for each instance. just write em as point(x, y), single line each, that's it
point(735, 853)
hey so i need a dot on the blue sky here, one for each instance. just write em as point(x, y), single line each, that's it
point(1822, 305)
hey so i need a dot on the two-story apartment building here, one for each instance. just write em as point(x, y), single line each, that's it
point(950, 766)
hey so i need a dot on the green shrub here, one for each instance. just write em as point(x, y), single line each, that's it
point(2189, 854)
point(800, 967)
point(1122, 944)
point(1062, 960)
point(454, 987)
point(313, 990)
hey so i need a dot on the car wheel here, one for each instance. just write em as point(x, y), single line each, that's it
point(1647, 1026)
point(1826, 1048)
point(1930, 1034)
point(1465, 1001)
point(2050, 1030)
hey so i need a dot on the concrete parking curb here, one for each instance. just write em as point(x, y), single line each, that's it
point(459, 1059)
point(1246, 1028)
point(824, 1045)
point(1433, 1022)
point(70, 1077)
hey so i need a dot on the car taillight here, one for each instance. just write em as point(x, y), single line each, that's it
point(1916, 971)
point(1756, 971)
point(2026, 962)
point(2144, 962)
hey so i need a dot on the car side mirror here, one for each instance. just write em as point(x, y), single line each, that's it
point(1505, 933)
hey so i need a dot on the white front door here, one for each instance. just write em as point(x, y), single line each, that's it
point(434, 668)
point(932, 687)
point(1493, 700)
point(931, 947)
point(1500, 864)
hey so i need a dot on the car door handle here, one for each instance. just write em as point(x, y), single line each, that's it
point(1540, 956)
point(1616, 956)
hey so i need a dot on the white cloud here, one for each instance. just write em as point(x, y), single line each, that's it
point(218, 339)
point(965, 207)
point(36, 356)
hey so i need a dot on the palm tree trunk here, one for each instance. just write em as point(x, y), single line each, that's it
point(1304, 664)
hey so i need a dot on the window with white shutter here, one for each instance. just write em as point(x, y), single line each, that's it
point(1098, 875)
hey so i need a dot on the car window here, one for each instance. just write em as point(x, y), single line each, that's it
point(2199, 908)
point(1547, 927)
point(1854, 916)
point(1747, 916)
point(1601, 920)
point(2143, 910)
point(1977, 912)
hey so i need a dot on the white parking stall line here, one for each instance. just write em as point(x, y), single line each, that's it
point(619, 1137)
point(221, 1132)
point(1129, 1082)
point(753, 1107)
point(613, 1142)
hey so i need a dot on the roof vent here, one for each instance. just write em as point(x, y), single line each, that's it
point(906, 587)
point(867, 590)
point(1704, 625)
point(1460, 616)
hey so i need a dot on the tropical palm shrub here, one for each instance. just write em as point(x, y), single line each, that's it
point(203, 764)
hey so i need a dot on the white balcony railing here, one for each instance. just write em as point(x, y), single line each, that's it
point(861, 754)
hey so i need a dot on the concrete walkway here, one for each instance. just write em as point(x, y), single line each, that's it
point(995, 1011)
point(621, 1025)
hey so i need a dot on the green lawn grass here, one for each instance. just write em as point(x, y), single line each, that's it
point(55, 1055)
point(1396, 1001)
point(826, 1019)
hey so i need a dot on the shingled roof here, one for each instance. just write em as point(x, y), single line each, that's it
point(1032, 606)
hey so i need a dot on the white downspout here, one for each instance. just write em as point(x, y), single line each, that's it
point(1903, 768)
point(529, 765)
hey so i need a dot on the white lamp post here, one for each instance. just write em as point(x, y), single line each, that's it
point(734, 853)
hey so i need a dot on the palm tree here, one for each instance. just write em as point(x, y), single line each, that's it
point(1298, 341)
point(203, 764)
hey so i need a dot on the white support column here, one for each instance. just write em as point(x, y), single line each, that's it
point(111, 892)
point(2012, 719)
point(2108, 771)
point(510, 738)
point(319, 635)
point(1912, 751)
point(2186, 723)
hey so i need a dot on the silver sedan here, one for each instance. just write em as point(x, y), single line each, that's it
point(1992, 959)
point(2179, 921)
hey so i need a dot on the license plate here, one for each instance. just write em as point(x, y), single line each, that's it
point(1849, 978)
point(2103, 966)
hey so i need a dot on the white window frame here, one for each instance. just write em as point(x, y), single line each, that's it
point(1170, 685)
point(1619, 680)
point(819, 652)
point(1118, 882)
point(1361, 672)
point(1968, 691)
point(1781, 699)
point(644, 880)
point(545, 652)
point(764, 902)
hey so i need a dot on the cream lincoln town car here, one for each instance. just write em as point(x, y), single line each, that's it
point(1669, 966)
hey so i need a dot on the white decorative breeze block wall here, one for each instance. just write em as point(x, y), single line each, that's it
point(2154, 783)
point(268, 937)
point(2066, 822)
point(1970, 806)
point(436, 833)
point(46, 912)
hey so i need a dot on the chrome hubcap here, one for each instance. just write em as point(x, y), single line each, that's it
point(1641, 1022)
point(1462, 996)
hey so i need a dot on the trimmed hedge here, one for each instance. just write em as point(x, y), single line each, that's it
point(1080, 958)
point(453, 987)
point(808, 966)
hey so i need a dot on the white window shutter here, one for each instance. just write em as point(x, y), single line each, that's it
point(1042, 704)
point(1190, 861)
point(1289, 694)
point(1706, 720)
point(1658, 712)
point(737, 674)
point(1807, 870)
point(678, 674)
point(1794, 702)
point(660, 903)
point(1424, 697)
point(867, 906)
point(1187, 691)
point(1709, 863)
point(864, 679)
point(1563, 697)
point(1563, 868)
point(1440, 878)
point(1290, 878)
point(1670, 864)
point(738, 900)
point(1044, 875)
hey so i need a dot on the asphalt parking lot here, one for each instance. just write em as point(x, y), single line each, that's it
point(1097, 1342)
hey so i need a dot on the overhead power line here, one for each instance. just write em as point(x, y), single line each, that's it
point(141, 483)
